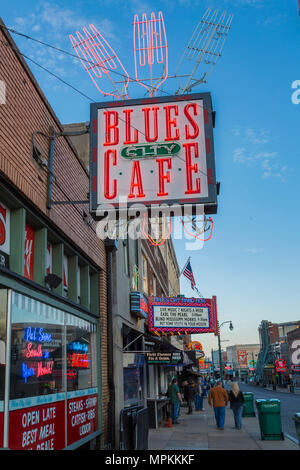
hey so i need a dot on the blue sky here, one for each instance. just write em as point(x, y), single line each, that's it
point(252, 261)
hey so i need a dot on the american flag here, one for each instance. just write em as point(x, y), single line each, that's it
point(187, 272)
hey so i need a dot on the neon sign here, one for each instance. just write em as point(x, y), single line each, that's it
point(38, 370)
point(27, 372)
point(76, 346)
point(36, 335)
point(78, 360)
point(31, 352)
point(44, 369)
point(71, 374)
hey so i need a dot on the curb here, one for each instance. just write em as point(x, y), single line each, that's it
point(291, 438)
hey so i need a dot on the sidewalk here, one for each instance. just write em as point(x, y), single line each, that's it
point(199, 432)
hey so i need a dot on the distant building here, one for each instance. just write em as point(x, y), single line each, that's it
point(242, 358)
point(275, 343)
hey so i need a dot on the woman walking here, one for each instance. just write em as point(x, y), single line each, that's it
point(236, 399)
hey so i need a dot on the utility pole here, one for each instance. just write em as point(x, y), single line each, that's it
point(220, 357)
point(292, 390)
point(220, 351)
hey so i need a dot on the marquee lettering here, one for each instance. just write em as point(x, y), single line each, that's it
point(129, 139)
point(136, 181)
point(191, 168)
point(163, 176)
point(171, 122)
point(191, 121)
point(107, 155)
point(111, 128)
point(146, 112)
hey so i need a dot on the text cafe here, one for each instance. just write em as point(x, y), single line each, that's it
point(48, 374)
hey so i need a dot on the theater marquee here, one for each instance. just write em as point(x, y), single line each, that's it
point(180, 315)
point(153, 151)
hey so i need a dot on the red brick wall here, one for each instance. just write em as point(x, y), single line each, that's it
point(25, 112)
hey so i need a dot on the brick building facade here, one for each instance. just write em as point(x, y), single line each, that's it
point(39, 167)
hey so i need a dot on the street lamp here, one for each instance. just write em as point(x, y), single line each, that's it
point(220, 351)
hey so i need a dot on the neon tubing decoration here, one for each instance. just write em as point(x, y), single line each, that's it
point(150, 239)
point(99, 59)
point(195, 236)
point(150, 47)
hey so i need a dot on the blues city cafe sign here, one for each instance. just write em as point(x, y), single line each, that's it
point(153, 151)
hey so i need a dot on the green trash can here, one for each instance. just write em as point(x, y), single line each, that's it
point(258, 404)
point(269, 419)
point(248, 408)
point(296, 418)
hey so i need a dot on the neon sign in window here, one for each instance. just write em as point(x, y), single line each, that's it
point(36, 335)
point(78, 360)
point(77, 346)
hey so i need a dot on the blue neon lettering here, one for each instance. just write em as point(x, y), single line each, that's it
point(76, 346)
point(31, 334)
point(27, 372)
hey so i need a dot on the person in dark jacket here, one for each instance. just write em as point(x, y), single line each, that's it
point(236, 399)
point(189, 393)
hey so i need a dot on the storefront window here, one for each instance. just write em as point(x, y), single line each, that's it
point(81, 354)
point(133, 378)
point(36, 348)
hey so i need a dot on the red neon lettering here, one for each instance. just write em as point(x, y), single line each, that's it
point(147, 123)
point(191, 168)
point(29, 352)
point(78, 360)
point(136, 173)
point(128, 139)
point(163, 176)
point(44, 370)
point(111, 127)
point(192, 121)
point(171, 122)
point(107, 154)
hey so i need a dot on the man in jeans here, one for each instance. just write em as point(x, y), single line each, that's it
point(175, 400)
point(218, 398)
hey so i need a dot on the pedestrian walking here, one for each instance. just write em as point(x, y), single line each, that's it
point(199, 397)
point(218, 398)
point(236, 399)
point(176, 400)
point(191, 397)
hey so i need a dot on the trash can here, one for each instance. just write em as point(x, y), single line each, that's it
point(248, 408)
point(269, 419)
point(296, 418)
point(128, 422)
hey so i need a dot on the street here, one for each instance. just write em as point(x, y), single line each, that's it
point(290, 404)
